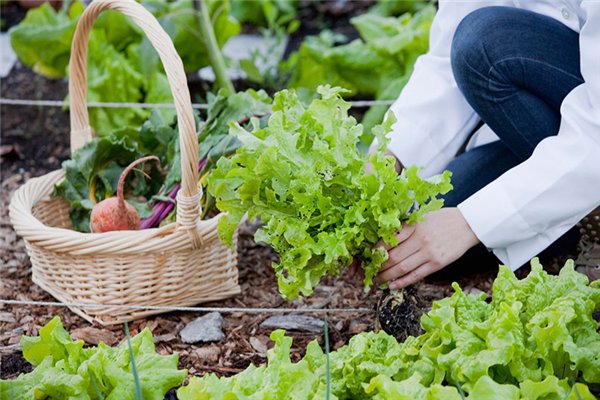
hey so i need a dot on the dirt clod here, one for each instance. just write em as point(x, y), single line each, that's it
point(399, 313)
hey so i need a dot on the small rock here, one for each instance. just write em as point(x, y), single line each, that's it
point(167, 337)
point(94, 336)
point(259, 344)
point(294, 322)
point(475, 291)
point(204, 329)
point(208, 354)
point(358, 326)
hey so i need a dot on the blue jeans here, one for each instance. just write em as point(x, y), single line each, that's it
point(514, 67)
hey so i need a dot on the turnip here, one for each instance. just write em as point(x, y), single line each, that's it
point(114, 214)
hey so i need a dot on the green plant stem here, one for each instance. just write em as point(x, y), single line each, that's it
point(95, 385)
point(212, 48)
point(328, 365)
point(458, 386)
point(136, 377)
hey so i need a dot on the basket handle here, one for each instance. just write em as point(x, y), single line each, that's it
point(188, 209)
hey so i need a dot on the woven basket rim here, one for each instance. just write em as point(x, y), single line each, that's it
point(33, 230)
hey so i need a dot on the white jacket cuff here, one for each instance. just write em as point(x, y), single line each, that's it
point(490, 226)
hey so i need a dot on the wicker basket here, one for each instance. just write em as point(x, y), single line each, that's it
point(180, 264)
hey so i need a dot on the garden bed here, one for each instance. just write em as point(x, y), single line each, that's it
point(35, 140)
point(48, 129)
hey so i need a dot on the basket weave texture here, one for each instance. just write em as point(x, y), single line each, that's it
point(180, 264)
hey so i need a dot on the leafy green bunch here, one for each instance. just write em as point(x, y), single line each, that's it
point(214, 143)
point(304, 176)
point(92, 174)
point(379, 64)
point(66, 370)
point(123, 66)
point(536, 340)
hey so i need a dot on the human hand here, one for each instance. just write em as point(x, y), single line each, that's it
point(355, 269)
point(426, 247)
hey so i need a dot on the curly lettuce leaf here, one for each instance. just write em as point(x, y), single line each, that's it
point(304, 176)
point(63, 368)
point(384, 388)
point(366, 356)
point(534, 328)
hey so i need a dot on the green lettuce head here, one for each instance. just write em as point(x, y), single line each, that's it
point(304, 176)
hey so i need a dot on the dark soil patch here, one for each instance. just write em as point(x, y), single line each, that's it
point(11, 14)
point(334, 15)
point(40, 134)
point(399, 313)
point(11, 365)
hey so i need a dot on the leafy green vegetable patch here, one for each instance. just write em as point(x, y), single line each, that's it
point(379, 65)
point(66, 370)
point(123, 65)
point(535, 340)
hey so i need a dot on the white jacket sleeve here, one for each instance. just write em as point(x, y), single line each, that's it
point(434, 119)
point(533, 204)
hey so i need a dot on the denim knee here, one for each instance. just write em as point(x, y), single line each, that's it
point(478, 31)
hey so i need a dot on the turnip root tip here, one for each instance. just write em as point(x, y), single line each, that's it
point(114, 213)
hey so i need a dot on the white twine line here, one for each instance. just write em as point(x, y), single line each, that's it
point(60, 103)
point(193, 309)
point(369, 103)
